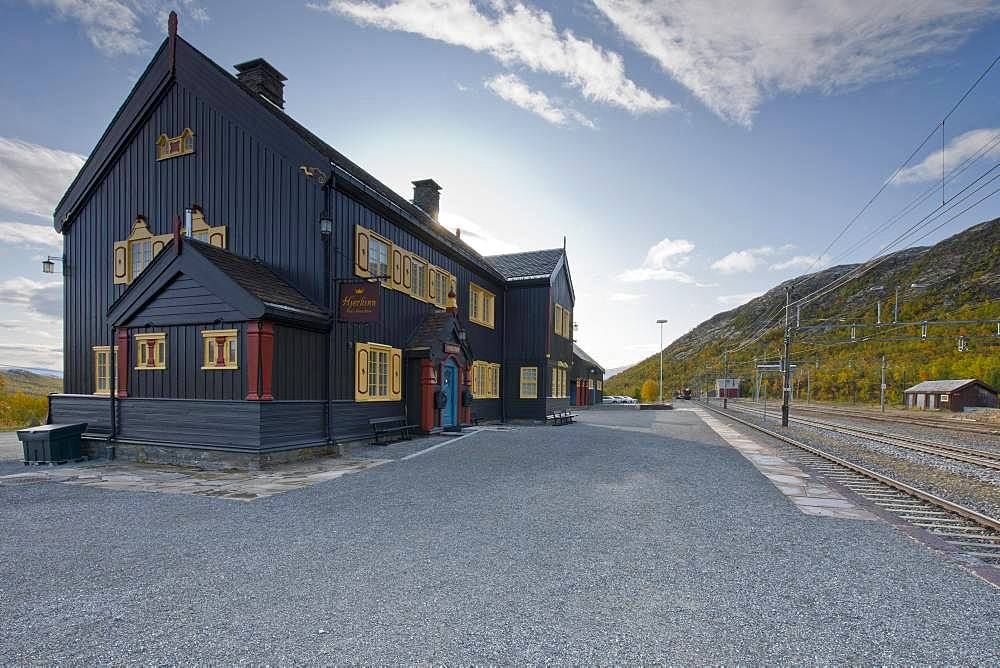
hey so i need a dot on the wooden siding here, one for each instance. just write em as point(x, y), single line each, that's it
point(400, 314)
point(269, 209)
point(350, 419)
point(184, 378)
point(184, 301)
point(299, 364)
point(75, 408)
point(561, 347)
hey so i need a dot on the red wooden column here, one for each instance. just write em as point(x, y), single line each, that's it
point(428, 381)
point(253, 361)
point(121, 372)
point(266, 359)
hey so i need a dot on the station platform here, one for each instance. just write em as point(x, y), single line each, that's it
point(628, 537)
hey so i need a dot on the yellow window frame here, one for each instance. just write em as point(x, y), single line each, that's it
point(159, 351)
point(230, 349)
point(482, 304)
point(104, 352)
point(531, 382)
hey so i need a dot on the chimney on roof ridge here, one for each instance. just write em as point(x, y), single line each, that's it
point(262, 79)
point(427, 195)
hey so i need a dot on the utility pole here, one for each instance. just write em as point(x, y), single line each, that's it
point(809, 385)
point(660, 323)
point(895, 307)
point(882, 395)
point(725, 379)
point(786, 389)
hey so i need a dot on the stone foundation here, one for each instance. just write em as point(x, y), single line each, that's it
point(212, 460)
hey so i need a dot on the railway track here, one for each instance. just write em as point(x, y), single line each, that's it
point(968, 531)
point(984, 458)
point(934, 423)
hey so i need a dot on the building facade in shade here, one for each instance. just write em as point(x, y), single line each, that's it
point(586, 379)
point(234, 283)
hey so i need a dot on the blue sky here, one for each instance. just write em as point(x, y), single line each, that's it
point(693, 154)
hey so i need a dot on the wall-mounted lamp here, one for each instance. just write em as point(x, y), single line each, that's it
point(49, 264)
point(325, 223)
point(462, 335)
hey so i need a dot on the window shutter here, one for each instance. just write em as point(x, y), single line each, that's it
point(361, 253)
point(396, 374)
point(217, 236)
point(407, 272)
point(432, 278)
point(121, 263)
point(361, 372)
point(397, 268)
point(160, 241)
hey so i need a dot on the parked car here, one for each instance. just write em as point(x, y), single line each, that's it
point(609, 399)
point(628, 400)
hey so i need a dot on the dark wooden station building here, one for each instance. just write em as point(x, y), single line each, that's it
point(235, 285)
point(586, 379)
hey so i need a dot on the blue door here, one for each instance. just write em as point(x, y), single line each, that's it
point(449, 385)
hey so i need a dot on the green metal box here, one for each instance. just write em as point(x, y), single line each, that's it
point(51, 443)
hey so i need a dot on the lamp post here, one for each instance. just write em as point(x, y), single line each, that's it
point(661, 323)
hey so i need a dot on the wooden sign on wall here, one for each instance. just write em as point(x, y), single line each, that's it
point(358, 302)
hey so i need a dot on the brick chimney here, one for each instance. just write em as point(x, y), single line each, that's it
point(260, 77)
point(427, 195)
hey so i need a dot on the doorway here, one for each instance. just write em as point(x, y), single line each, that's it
point(449, 385)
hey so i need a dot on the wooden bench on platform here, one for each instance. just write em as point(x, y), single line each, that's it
point(388, 428)
point(560, 417)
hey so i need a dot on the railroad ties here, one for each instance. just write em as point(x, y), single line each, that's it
point(971, 533)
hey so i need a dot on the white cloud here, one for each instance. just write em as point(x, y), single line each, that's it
point(985, 141)
point(513, 34)
point(33, 178)
point(748, 260)
point(476, 235)
point(733, 56)
point(33, 355)
point(22, 234)
point(662, 263)
point(43, 299)
point(625, 297)
point(732, 301)
point(800, 262)
point(511, 88)
point(114, 27)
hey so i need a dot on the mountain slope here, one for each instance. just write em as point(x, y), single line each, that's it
point(958, 278)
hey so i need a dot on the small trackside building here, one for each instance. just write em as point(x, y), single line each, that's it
point(234, 287)
point(953, 395)
point(586, 387)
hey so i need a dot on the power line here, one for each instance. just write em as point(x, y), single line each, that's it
point(885, 184)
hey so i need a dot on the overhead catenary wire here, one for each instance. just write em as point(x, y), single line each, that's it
point(903, 165)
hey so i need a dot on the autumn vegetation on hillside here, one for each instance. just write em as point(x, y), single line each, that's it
point(957, 279)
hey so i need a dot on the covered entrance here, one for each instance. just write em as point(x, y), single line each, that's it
point(439, 383)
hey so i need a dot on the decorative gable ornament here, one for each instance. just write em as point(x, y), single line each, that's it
point(172, 147)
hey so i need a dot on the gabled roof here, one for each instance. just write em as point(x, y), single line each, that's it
point(436, 328)
point(524, 266)
point(946, 385)
point(579, 352)
point(248, 286)
point(160, 75)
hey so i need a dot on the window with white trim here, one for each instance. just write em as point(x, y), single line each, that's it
point(418, 278)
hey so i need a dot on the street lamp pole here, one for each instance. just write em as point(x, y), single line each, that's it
point(661, 323)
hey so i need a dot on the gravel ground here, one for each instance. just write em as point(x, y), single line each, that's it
point(974, 486)
point(929, 431)
point(649, 542)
